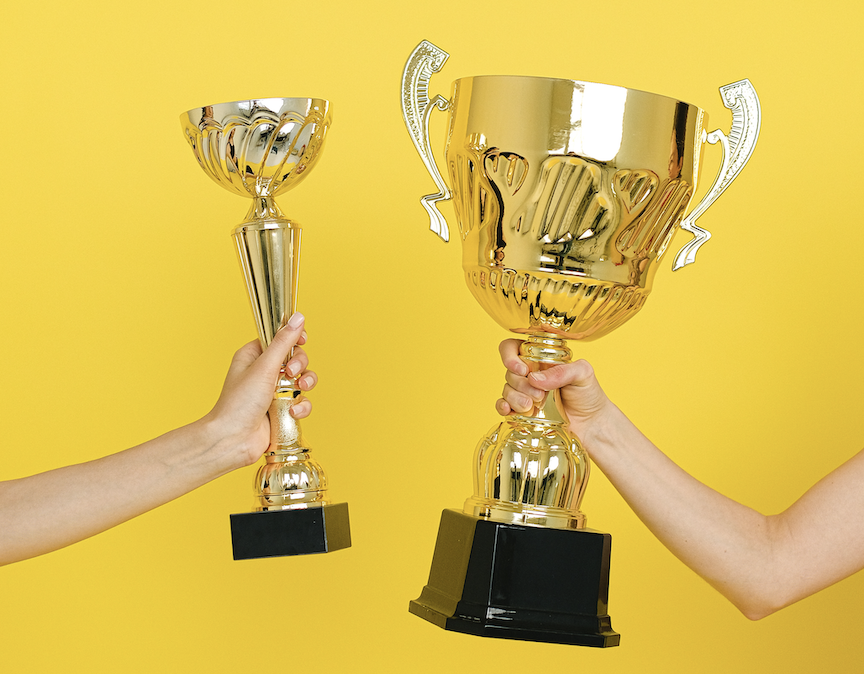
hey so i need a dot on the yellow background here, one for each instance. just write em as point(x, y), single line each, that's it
point(121, 304)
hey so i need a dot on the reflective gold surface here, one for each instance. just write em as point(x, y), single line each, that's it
point(561, 219)
point(289, 477)
point(566, 194)
point(529, 469)
point(260, 148)
point(269, 255)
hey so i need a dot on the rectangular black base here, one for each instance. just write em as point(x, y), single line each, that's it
point(512, 581)
point(280, 533)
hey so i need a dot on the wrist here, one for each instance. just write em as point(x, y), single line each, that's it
point(220, 450)
point(603, 432)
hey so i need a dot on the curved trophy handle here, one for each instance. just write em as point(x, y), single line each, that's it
point(425, 61)
point(740, 97)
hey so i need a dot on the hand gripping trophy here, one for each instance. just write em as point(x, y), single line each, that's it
point(260, 148)
point(566, 194)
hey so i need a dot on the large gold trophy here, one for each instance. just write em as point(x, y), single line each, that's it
point(566, 194)
point(261, 148)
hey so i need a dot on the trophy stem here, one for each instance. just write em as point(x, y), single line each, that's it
point(292, 514)
point(529, 469)
point(269, 249)
point(264, 208)
point(289, 478)
point(545, 349)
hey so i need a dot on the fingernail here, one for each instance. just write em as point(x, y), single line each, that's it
point(294, 368)
point(304, 335)
point(307, 382)
point(522, 369)
point(296, 320)
point(539, 376)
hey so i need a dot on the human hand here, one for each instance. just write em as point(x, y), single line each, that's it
point(239, 417)
point(581, 400)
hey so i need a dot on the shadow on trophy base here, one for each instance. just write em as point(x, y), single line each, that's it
point(282, 533)
point(513, 581)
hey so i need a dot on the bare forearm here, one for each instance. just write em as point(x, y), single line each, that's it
point(51, 510)
point(728, 544)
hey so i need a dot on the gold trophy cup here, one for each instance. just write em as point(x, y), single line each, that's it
point(566, 194)
point(261, 148)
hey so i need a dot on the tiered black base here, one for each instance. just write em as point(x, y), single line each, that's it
point(280, 533)
point(518, 582)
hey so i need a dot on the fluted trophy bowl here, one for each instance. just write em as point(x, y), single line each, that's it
point(566, 202)
point(260, 147)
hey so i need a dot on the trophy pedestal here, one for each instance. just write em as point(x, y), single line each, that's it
point(512, 581)
point(282, 533)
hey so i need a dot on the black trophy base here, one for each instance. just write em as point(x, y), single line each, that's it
point(512, 581)
point(281, 533)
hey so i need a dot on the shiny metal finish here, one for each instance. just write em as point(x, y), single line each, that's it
point(426, 60)
point(560, 220)
point(741, 99)
point(566, 193)
point(260, 148)
point(529, 469)
point(269, 255)
point(289, 477)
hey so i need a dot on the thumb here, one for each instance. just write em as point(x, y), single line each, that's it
point(277, 352)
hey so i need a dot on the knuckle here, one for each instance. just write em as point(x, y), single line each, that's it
point(582, 370)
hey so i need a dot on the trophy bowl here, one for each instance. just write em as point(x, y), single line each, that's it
point(565, 202)
point(566, 193)
point(261, 147)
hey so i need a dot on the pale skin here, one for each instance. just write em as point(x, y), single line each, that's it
point(761, 563)
point(54, 509)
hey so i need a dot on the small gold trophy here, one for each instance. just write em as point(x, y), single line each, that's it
point(261, 148)
point(566, 194)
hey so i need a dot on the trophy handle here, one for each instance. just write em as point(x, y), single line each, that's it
point(425, 61)
point(740, 97)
